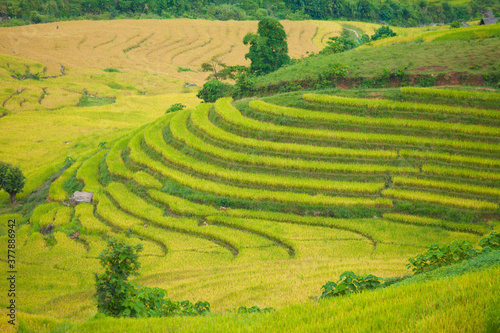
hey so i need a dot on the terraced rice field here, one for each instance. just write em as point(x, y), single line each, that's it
point(261, 202)
point(159, 47)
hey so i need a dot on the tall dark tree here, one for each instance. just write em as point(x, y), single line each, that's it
point(268, 48)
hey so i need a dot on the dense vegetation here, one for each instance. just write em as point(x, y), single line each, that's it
point(407, 13)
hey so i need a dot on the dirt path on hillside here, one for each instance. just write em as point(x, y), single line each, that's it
point(355, 32)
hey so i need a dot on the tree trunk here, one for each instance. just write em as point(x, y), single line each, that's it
point(12, 198)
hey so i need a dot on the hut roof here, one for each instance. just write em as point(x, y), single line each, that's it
point(488, 20)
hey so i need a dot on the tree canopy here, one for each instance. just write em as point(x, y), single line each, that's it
point(399, 13)
point(11, 180)
point(268, 48)
point(383, 32)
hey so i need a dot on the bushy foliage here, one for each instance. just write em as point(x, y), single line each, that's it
point(441, 255)
point(245, 85)
point(492, 241)
point(339, 44)
point(213, 90)
point(346, 41)
point(383, 32)
point(268, 48)
point(11, 180)
point(175, 107)
point(144, 301)
point(438, 255)
point(118, 298)
point(335, 71)
point(350, 283)
point(393, 12)
point(119, 260)
point(253, 309)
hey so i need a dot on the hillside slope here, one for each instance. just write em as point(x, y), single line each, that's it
point(459, 53)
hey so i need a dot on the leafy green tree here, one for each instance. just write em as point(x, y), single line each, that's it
point(118, 298)
point(383, 32)
point(11, 180)
point(213, 90)
point(268, 48)
point(120, 260)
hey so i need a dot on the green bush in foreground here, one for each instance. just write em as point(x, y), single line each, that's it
point(441, 255)
point(118, 298)
point(350, 283)
point(492, 241)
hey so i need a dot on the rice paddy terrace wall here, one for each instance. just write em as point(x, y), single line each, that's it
point(262, 201)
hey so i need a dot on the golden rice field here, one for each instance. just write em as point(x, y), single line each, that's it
point(150, 47)
point(252, 202)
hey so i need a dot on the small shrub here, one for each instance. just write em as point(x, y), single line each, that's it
point(455, 25)
point(72, 184)
point(175, 107)
point(350, 283)
point(183, 69)
point(492, 79)
point(441, 255)
point(335, 71)
point(111, 70)
point(427, 81)
point(383, 32)
point(254, 309)
point(492, 242)
point(213, 90)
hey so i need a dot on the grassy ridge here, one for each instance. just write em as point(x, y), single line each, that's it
point(411, 53)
